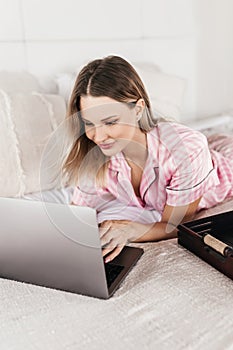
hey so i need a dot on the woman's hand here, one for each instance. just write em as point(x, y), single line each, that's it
point(115, 234)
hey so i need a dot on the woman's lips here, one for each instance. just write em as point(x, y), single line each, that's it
point(106, 145)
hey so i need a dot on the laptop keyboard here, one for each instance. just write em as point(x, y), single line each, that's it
point(112, 271)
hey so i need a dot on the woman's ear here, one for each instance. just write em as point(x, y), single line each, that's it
point(140, 105)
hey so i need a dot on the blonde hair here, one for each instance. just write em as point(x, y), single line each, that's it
point(113, 77)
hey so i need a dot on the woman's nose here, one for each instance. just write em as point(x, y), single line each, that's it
point(99, 134)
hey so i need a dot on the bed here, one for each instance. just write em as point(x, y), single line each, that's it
point(170, 300)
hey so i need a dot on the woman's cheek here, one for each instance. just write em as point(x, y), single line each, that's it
point(89, 133)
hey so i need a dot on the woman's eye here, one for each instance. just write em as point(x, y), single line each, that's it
point(112, 122)
point(87, 123)
point(109, 123)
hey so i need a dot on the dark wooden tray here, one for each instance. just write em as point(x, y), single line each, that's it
point(211, 239)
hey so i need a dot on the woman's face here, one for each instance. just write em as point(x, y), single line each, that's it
point(112, 125)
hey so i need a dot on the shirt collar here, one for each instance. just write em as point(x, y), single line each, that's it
point(153, 147)
point(116, 162)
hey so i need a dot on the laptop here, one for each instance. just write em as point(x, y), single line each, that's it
point(58, 246)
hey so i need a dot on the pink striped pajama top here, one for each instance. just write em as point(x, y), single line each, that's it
point(180, 168)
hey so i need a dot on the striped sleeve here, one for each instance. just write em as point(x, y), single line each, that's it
point(193, 171)
point(84, 198)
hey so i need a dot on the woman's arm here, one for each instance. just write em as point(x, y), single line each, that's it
point(117, 233)
point(171, 218)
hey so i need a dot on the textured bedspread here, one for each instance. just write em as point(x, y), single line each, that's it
point(170, 300)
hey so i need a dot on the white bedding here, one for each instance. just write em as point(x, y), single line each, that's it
point(62, 195)
point(170, 300)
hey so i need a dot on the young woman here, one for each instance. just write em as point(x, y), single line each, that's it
point(142, 174)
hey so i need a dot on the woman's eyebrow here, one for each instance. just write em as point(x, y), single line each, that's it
point(86, 120)
point(111, 116)
point(104, 119)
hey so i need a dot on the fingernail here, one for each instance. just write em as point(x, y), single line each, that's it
point(107, 260)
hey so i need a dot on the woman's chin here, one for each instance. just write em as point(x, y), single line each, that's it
point(109, 150)
point(113, 148)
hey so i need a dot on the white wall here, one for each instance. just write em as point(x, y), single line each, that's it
point(214, 55)
point(189, 38)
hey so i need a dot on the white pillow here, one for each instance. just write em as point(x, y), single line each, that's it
point(166, 91)
point(65, 83)
point(27, 120)
point(21, 81)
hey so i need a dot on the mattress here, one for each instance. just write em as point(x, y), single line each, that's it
point(57, 195)
point(170, 300)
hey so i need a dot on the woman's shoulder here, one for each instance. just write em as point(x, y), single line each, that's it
point(176, 132)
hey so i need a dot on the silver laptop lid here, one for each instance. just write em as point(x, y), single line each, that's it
point(52, 244)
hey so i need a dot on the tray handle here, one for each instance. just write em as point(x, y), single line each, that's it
point(219, 246)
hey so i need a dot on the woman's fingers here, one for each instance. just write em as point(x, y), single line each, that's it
point(114, 253)
point(106, 223)
point(113, 238)
point(108, 243)
point(103, 230)
point(107, 250)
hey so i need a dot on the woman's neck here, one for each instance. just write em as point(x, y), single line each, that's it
point(136, 151)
